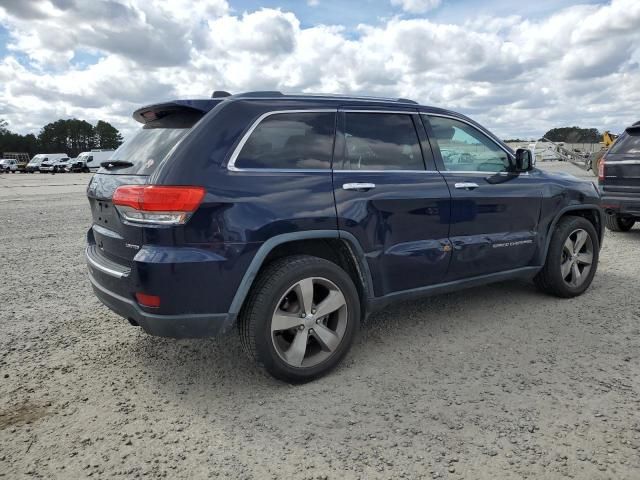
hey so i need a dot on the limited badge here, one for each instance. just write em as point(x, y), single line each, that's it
point(149, 163)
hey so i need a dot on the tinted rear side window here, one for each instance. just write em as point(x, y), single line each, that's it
point(150, 145)
point(628, 143)
point(290, 141)
point(381, 141)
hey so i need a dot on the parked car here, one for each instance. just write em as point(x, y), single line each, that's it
point(60, 165)
point(49, 160)
point(9, 165)
point(21, 158)
point(619, 179)
point(294, 217)
point(92, 159)
point(75, 165)
point(34, 163)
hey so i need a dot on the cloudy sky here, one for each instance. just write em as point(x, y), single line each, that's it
point(519, 70)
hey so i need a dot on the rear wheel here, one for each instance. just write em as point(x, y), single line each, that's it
point(618, 223)
point(300, 318)
point(572, 258)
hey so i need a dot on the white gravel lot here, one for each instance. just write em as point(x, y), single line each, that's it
point(494, 382)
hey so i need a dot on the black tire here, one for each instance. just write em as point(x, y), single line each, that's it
point(254, 323)
point(618, 223)
point(550, 279)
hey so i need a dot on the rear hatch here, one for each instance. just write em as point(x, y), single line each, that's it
point(622, 165)
point(164, 126)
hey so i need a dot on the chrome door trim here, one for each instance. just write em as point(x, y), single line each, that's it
point(466, 185)
point(358, 186)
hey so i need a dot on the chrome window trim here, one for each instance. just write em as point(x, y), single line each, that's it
point(483, 172)
point(486, 133)
point(231, 164)
point(393, 112)
point(384, 171)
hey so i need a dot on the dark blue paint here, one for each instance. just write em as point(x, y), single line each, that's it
point(413, 234)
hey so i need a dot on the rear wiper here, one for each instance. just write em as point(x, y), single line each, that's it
point(109, 164)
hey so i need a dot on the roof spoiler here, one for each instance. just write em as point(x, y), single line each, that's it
point(153, 112)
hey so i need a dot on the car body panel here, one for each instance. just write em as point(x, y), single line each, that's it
point(400, 234)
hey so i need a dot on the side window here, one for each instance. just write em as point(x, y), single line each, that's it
point(381, 141)
point(290, 141)
point(90, 159)
point(464, 148)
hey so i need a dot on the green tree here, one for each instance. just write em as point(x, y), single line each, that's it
point(107, 136)
point(70, 136)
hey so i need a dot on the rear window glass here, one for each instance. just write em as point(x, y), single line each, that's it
point(150, 145)
point(628, 143)
point(290, 141)
point(381, 141)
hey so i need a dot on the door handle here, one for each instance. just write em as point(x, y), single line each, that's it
point(467, 185)
point(360, 187)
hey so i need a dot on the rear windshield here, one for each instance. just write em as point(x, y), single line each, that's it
point(628, 143)
point(150, 145)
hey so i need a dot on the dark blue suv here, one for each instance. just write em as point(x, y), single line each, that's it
point(293, 217)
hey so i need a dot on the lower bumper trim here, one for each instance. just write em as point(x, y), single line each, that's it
point(174, 326)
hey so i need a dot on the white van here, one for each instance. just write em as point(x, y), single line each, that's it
point(92, 160)
point(45, 161)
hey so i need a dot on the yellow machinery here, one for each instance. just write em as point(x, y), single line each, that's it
point(607, 140)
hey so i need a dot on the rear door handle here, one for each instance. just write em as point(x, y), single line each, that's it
point(467, 185)
point(360, 187)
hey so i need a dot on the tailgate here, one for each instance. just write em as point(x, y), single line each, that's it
point(114, 239)
point(622, 164)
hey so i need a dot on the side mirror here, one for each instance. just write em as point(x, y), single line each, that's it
point(524, 160)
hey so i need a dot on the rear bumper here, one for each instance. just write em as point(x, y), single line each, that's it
point(175, 326)
point(621, 205)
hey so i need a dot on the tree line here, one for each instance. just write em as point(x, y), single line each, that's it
point(70, 136)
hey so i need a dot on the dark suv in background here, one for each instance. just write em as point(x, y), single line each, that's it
point(619, 179)
point(295, 216)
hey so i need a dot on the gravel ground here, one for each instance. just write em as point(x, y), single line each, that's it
point(497, 382)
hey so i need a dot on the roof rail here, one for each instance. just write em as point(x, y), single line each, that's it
point(275, 93)
point(260, 93)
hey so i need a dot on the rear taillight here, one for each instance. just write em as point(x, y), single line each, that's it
point(157, 204)
point(601, 169)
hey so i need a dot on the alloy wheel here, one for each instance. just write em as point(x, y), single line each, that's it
point(309, 322)
point(577, 258)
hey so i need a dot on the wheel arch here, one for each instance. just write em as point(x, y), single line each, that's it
point(338, 246)
point(593, 213)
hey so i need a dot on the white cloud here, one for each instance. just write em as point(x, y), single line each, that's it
point(517, 76)
point(417, 6)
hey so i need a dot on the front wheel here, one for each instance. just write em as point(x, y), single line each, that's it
point(617, 223)
point(572, 258)
point(300, 318)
